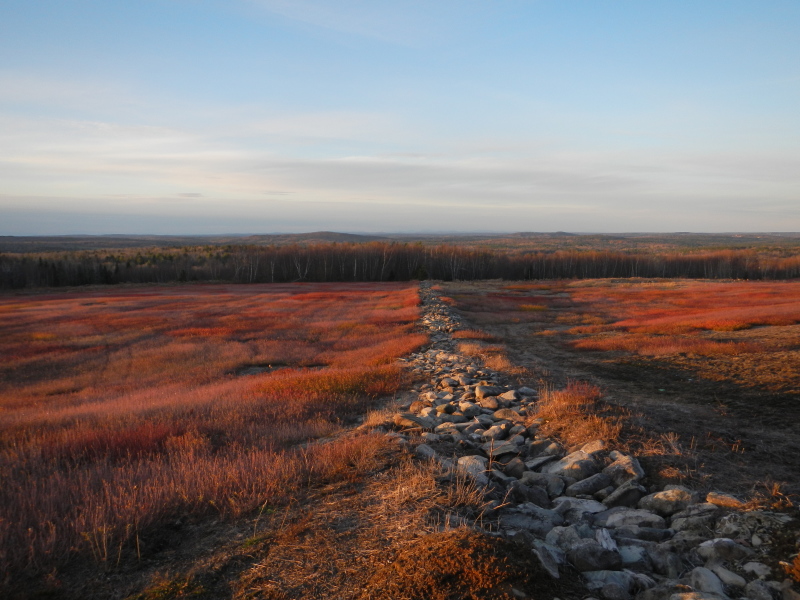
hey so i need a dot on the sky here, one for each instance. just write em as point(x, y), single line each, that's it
point(268, 116)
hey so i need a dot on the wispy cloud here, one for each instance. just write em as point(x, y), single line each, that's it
point(410, 23)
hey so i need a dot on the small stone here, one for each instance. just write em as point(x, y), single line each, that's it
point(496, 432)
point(722, 549)
point(578, 465)
point(489, 402)
point(597, 580)
point(589, 555)
point(594, 447)
point(758, 590)
point(485, 391)
point(567, 537)
point(758, 569)
point(576, 509)
point(540, 461)
point(590, 485)
point(526, 391)
point(475, 467)
point(425, 452)
point(549, 556)
point(624, 468)
point(705, 580)
point(623, 517)
point(628, 494)
point(727, 577)
point(724, 500)
point(668, 502)
point(635, 557)
point(408, 420)
point(507, 414)
point(515, 467)
point(510, 395)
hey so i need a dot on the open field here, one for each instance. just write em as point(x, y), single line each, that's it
point(711, 370)
point(122, 410)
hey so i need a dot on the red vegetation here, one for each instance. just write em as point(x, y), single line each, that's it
point(671, 317)
point(120, 409)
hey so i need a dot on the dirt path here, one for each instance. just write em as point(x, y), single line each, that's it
point(735, 438)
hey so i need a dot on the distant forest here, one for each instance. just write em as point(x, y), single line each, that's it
point(379, 261)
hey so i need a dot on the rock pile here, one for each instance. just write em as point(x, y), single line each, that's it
point(586, 507)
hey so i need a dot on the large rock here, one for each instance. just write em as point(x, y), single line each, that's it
point(412, 421)
point(589, 486)
point(724, 500)
point(549, 556)
point(489, 402)
point(485, 391)
point(567, 537)
point(577, 465)
point(727, 577)
point(665, 561)
point(576, 510)
point(539, 521)
point(722, 549)
point(520, 492)
point(510, 395)
point(539, 462)
point(628, 494)
point(635, 557)
point(469, 409)
point(700, 518)
point(609, 580)
point(507, 414)
point(552, 483)
point(668, 502)
point(475, 467)
point(589, 555)
point(758, 590)
point(624, 468)
point(704, 580)
point(624, 517)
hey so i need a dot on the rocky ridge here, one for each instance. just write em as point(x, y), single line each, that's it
point(588, 507)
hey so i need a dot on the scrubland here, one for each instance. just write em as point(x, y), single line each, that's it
point(123, 409)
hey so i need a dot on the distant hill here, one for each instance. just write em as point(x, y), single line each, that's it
point(522, 241)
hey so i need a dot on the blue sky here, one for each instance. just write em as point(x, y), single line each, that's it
point(256, 116)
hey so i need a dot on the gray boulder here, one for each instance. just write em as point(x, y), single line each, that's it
point(624, 517)
point(589, 486)
point(475, 467)
point(704, 580)
point(624, 468)
point(412, 421)
point(485, 391)
point(722, 549)
point(577, 465)
point(628, 494)
point(669, 501)
point(589, 555)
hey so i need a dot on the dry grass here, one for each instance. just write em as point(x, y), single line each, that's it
point(122, 409)
point(577, 415)
point(367, 542)
point(493, 357)
point(473, 334)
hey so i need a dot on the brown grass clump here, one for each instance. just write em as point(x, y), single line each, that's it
point(576, 414)
point(460, 564)
point(474, 334)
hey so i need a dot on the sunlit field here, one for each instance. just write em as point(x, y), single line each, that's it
point(123, 408)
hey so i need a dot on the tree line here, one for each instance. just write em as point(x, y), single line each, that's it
point(376, 261)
